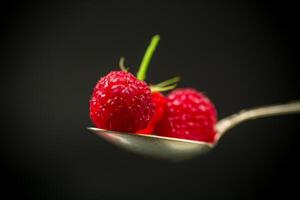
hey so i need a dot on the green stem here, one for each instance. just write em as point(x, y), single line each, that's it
point(162, 89)
point(121, 64)
point(168, 82)
point(141, 75)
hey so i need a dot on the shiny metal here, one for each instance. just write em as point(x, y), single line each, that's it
point(179, 149)
point(155, 146)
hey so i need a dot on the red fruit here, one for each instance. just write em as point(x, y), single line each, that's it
point(121, 102)
point(189, 115)
point(159, 104)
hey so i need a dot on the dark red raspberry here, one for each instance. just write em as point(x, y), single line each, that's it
point(159, 103)
point(189, 115)
point(121, 102)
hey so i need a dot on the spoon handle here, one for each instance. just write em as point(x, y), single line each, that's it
point(265, 111)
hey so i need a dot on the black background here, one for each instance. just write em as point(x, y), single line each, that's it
point(242, 54)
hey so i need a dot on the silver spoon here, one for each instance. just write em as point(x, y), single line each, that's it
point(179, 149)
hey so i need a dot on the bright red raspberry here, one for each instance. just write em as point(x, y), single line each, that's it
point(159, 103)
point(189, 115)
point(121, 102)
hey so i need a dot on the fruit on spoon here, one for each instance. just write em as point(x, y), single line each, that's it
point(121, 102)
point(189, 115)
point(125, 103)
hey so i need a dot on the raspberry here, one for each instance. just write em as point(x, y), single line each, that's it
point(121, 102)
point(189, 115)
point(159, 103)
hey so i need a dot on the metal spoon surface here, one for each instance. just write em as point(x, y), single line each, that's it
point(179, 149)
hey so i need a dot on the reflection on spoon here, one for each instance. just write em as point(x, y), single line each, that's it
point(179, 149)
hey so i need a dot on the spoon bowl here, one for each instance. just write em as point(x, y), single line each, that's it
point(174, 149)
point(155, 146)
